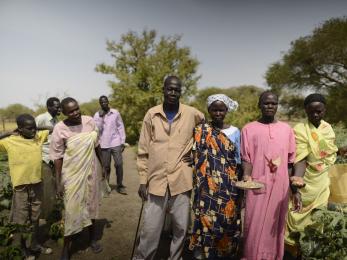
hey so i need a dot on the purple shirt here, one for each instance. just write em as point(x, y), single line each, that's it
point(111, 129)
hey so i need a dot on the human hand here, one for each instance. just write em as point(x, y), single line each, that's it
point(247, 178)
point(15, 132)
point(60, 190)
point(103, 172)
point(343, 151)
point(297, 181)
point(187, 158)
point(101, 113)
point(143, 193)
point(297, 202)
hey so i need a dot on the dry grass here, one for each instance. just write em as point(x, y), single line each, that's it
point(8, 126)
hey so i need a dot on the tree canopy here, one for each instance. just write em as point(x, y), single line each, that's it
point(141, 62)
point(316, 62)
point(14, 110)
point(246, 96)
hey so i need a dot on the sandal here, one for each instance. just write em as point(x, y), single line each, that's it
point(96, 248)
point(42, 250)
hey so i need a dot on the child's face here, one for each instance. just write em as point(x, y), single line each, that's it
point(28, 130)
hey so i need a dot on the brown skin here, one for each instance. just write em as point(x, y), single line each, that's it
point(268, 106)
point(172, 92)
point(104, 105)
point(73, 114)
point(55, 109)
point(315, 112)
point(104, 109)
point(28, 130)
point(342, 151)
point(218, 111)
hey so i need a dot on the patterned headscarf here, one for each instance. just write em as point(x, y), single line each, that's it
point(231, 104)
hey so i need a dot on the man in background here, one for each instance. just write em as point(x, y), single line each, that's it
point(112, 140)
point(48, 120)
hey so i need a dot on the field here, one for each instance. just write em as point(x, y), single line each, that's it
point(7, 126)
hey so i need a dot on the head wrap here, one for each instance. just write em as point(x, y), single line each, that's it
point(230, 104)
point(314, 97)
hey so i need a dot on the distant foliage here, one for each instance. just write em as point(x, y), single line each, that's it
point(90, 108)
point(246, 96)
point(141, 62)
point(13, 110)
point(316, 62)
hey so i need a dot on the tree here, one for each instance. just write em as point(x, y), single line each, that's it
point(141, 62)
point(89, 108)
point(246, 96)
point(10, 113)
point(316, 62)
point(13, 110)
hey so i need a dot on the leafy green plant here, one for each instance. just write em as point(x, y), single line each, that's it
point(326, 238)
point(56, 231)
point(12, 252)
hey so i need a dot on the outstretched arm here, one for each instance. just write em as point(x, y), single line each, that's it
point(7, 134)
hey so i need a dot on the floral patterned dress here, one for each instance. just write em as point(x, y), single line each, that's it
point(216, 230)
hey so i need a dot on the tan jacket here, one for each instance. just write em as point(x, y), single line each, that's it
point(161, 148)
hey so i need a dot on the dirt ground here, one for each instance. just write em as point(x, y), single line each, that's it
point(117, 222)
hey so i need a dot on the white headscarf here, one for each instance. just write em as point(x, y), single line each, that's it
point(232, 105)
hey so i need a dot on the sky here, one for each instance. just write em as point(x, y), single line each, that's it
point(50, 48)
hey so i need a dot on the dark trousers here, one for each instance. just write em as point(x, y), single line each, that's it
point(116, 153)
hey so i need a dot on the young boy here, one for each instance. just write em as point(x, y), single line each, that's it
point(24, 146)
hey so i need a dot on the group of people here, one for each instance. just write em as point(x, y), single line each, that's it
point(183, 158)
point(185, 163)
point(69, 159)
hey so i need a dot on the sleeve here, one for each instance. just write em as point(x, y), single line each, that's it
point(292, 147)
point(99, 121)
point(43, 136)
point(57, 145)
point(245, 150)
point(3, 145)
point(237, 146)
point(120, 127)
point(38, 121)
point(302, 145)
point(143, 147)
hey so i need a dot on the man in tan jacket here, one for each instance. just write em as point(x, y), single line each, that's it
point(164, 167)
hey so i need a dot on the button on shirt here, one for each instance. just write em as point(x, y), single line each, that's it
point(161, 148)
point(111, 129)
point(46, 120)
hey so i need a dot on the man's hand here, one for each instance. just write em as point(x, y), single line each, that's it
point(297, 202)
point(103, 172)
point(187, 158)
point(102, 113)
point(143, 192)
point(342, 151)
point(60, 190)
point(247, 178)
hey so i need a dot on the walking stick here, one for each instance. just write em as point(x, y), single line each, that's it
point(137, 230)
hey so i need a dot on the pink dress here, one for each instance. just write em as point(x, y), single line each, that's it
point(269, 148)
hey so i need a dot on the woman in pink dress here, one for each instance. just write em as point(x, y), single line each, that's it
point(268, 153)
point(76, 153)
